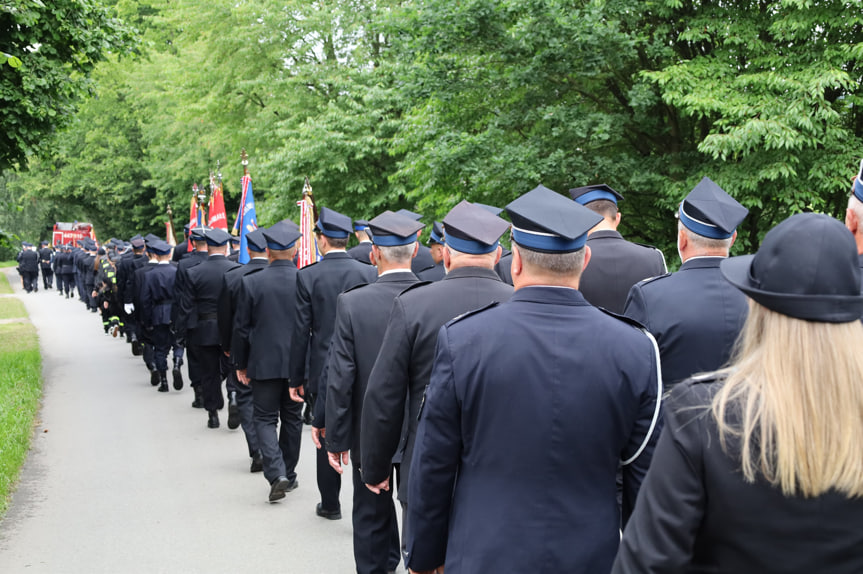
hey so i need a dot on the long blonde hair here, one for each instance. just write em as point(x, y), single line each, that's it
point(793, 398)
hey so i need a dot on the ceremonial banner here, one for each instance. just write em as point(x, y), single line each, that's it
point(247, 220)
point(169, 234)
point(217, 215)
point(307, 252)
point(194, 221)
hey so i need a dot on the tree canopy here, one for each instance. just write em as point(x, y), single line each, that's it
point(419, 104)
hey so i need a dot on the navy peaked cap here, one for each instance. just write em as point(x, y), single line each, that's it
point(709, 211)
point(256, 241)
point(333, 224)
point(160, 247)
point(437, 235)
point(545, 221)
point(283, 235)
point(390, 229)
point(472, 229)
point(411, 214)
point(588, 193)
point(216, 237)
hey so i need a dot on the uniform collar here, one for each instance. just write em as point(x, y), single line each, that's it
point(471, 272)
point(282, 263)
point(340, 254)
point(706, 262)
point(550, 294)
point(605, 234)
point(396, 275)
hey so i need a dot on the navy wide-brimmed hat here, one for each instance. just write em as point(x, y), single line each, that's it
point(807, 268)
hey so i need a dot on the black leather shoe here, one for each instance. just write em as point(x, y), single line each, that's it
point(198, 403)
point(154, 378)
point(178, 378)
point(163, 382)
point(257, 463)
point(213, 421)
point(233, 411)
point(279, 487)
point(328, 514)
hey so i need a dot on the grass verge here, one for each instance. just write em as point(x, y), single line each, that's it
point(5, 288)
point(8, 263)
point(11, 308)
point(20, 390)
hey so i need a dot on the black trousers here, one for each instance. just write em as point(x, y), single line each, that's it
point(47, 276)
point(376, 529)
point(79, 283)
point(209, 359)
point(66, 281)
point(246, 406)
point(272, 403)
point(162, 339)
point(31, 280)
point(194, 365)
point(329, 481)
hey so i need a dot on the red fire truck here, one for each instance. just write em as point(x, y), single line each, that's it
point(65, 233)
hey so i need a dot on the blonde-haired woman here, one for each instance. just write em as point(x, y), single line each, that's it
point(760, 466)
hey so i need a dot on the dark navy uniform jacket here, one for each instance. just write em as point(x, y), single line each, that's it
point(65, 264)
point(361, 252)
point(615, 266)
point(361, 321)
point(180, 251)
point(197, 320)
point(504, 268)
point(45, 257)
point(696, 513)
point(157, 295)
point(532, 406)
point(129, 263)
point(264, 321)
point(435, 273)
point(228, 298)
point(29, 261)
point(402, 370)
point(194, 258)
point(422, 261)
point(694, 314)
point(318, 287)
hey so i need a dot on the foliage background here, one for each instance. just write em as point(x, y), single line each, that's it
point(421, 103)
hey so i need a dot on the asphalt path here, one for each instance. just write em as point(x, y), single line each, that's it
point(124, 479)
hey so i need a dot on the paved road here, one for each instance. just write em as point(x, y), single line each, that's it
point(123, 479)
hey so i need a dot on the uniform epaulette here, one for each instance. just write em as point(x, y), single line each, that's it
point(647, 245)
point(471, 313)
point(414, 286)
point(651, 279)
point(309, 265)
point(624, 318)
point(355, 287)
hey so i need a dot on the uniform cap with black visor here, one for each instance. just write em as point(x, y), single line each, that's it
point(473, 229)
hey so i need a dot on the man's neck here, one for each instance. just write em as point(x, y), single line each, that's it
point(394, 269)
point(604, 225)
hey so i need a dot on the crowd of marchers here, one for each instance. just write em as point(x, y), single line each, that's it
point(527, 406)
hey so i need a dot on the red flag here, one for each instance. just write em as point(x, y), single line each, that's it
point(193, 221)
point(217, 215)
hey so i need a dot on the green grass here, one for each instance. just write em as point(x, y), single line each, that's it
point(11, 308)
point(8, 263)
point(4, 284)
point(20, 390)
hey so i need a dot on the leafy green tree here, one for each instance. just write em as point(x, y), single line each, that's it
point(47, 52)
